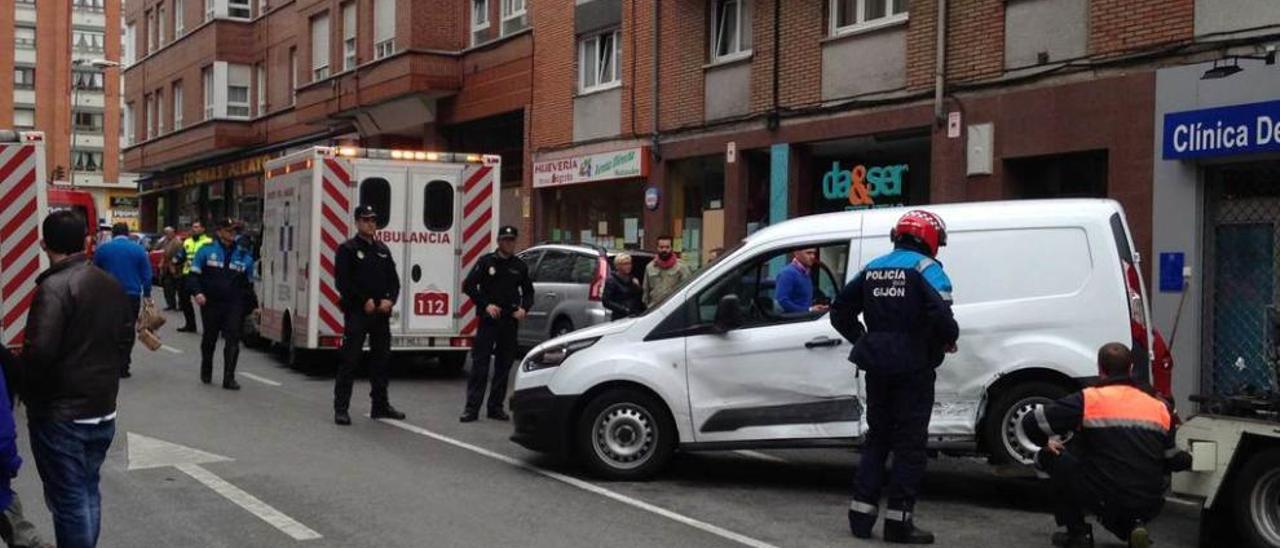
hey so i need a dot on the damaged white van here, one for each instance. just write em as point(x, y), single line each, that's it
point(1039, 286)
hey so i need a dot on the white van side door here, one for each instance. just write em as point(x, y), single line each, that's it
point(780, 375)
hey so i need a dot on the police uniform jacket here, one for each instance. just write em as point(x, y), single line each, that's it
point(223, 274)
point(1125, 440)
point(501, 281)
point(190, 247)
point(904, 298)
point(366, 270)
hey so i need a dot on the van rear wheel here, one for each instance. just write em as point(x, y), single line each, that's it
point(1005, 439)
point(625, 434)
point(1257, 499)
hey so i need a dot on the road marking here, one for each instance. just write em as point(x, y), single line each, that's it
point(146, 452)
point(585, 486)
point(170, 349)
point(759, 455)
point(262, 380)
point(1184, 502)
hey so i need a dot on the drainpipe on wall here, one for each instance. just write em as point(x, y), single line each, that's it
point(940, 70)
point(657, 37)
point(774, 114)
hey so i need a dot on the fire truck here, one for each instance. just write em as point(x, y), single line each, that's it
point(437, 213)
point(23, 205)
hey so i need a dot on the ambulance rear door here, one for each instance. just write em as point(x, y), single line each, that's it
point(383, 185)
point(430, 272)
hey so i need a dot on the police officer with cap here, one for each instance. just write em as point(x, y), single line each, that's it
point(499, 285)
point(369, 287)
point(904, 298)
point(221, 280)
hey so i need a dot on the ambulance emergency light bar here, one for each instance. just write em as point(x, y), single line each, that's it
point(416, 155)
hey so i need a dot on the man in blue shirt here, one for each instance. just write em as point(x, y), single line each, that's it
point(127, 262)
point(794, 289)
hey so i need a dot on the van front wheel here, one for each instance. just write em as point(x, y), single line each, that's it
point(1005, 439)
point(625, 434)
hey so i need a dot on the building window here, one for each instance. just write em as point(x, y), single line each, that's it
point(479, 20)
point(177, 106)
point(86, 160)
point(24, 77)
point(263, 7)
point(854, 15)
point(262, 89)
point(320, 47)
point(24, 37)
point(89, 81)
point(348, 36)
point(149, 116)
point(88, 121)
point(238, 91)
point(210, 10)
point(88, 41)
point(152, 36)
point(128, 123)
point(384, 28)
point(160, 17)
point(515, 17)
point(598, 62)
point(179, 18)
point(159, 112)
point(239, 9)
point(730, 29)
point(293, 76)
point(24, 118)
point(95, 5)
point(206, 77)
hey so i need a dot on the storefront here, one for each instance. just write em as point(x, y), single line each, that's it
point(230, 189)
point(866, 172)
point(1217, 226)
point(595, 199)
point(122, 207)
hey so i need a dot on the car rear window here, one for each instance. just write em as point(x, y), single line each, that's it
point(584, 268)
point(556, 267)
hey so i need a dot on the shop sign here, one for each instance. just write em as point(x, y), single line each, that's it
point(1223, 131)
point(231, 170)
point(864, 187)
point(124, 202)
point(623, 164)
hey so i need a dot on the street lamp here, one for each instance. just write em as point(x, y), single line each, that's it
point(97, 64)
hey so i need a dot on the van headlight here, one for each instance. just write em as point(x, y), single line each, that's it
point(553, 356)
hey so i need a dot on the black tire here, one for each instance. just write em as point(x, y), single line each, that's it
point(1255, 499)
point(1001, 429)
point(561, 326)
point(625, 434)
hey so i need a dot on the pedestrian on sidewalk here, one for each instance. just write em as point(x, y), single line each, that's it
point(500, 286)
point(190, 247)
point(1117, 465)
point(15, 529)
point(221, 281)
point(622, 292)
point(664, 274)
point(369, 288)
point(72, 357)
point(170, 267)
point(127, 261)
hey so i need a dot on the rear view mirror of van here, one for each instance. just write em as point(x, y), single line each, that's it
point(728, 314)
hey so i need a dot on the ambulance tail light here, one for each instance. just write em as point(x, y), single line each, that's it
point(330, 341)
point(1139, 330)
point(460, 342)
point(1137, 306)
point(596, 292)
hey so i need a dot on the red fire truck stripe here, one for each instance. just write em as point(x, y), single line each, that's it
point(18, 158)
point(17, 339)
point(19, 310)
point(18, 250)
point(337, 223)
point(479, 175)
point(22, 217)
point(21, 187)
point(481, 223)
point(329, 321)
point(331, 189)
point(22, 275)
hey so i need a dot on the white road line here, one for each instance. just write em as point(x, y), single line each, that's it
point(1184, 502)
point(170, 349)
point(277, 519)
point(262, 380)
point(759, 455)
point(586, 486)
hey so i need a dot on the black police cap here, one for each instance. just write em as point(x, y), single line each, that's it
point(507, 231)
point(365, 211)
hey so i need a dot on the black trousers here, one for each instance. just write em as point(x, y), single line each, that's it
point(356, 326)
point(496, 340)
point(184, 302)
point(226, 319)
point(170, 285)
point(126, 346)
point(898, 409)
point(1076, 495)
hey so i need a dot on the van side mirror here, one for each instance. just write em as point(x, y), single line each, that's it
point(728, 314)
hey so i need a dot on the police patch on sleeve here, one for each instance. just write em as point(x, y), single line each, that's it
point(360, 255)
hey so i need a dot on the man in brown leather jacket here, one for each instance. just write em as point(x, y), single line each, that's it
point(71, 373)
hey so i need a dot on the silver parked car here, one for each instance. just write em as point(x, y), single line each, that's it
point(568, 283)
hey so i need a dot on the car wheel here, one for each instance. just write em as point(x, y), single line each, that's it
point(1257, 499)
point(561, 327)
point(1005, 439)
point(625, 434)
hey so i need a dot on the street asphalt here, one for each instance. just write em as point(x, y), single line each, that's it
point(429, 481)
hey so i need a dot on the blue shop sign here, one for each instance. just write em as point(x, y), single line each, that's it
point(1223, 131)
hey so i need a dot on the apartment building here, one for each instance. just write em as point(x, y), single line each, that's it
point(60, 78)
point(215, 87)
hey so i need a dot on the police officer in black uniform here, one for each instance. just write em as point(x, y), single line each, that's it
point(221, 281)
point(904, 299)
point(369, 287)
point(499, 284)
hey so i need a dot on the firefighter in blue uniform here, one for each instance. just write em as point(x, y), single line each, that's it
point(904, 298)
point(222, 281)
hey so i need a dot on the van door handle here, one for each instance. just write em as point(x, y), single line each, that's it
point(822, 341)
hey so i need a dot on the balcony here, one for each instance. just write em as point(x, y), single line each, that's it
point(89, 18)
point(88, 99)
point(396, 93)
point(89, 138)
point(192, 143)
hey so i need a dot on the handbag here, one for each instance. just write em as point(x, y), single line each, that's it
point(149, 339)
point(149, 318)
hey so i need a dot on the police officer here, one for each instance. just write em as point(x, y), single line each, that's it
point(190, 246)
point(369, 287)
point(221, 280)
point(904, 298)
point(499, 284)
point(1119, 460)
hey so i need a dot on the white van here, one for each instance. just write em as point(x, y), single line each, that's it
point(1039, 287)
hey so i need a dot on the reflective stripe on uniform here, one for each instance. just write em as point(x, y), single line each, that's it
point(897, 515)
point(1125, 423)
point(924, 264)
point(1123, 406)
point(863, 508)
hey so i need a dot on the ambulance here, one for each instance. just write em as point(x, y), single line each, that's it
point(23, 205)
point(437, 213)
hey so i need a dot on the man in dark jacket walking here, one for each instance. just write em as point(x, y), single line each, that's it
point(71, 374)
point(905, 299)
point(222, 282)
point(622, 292)
point(1118, 464)
point(503, 292)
